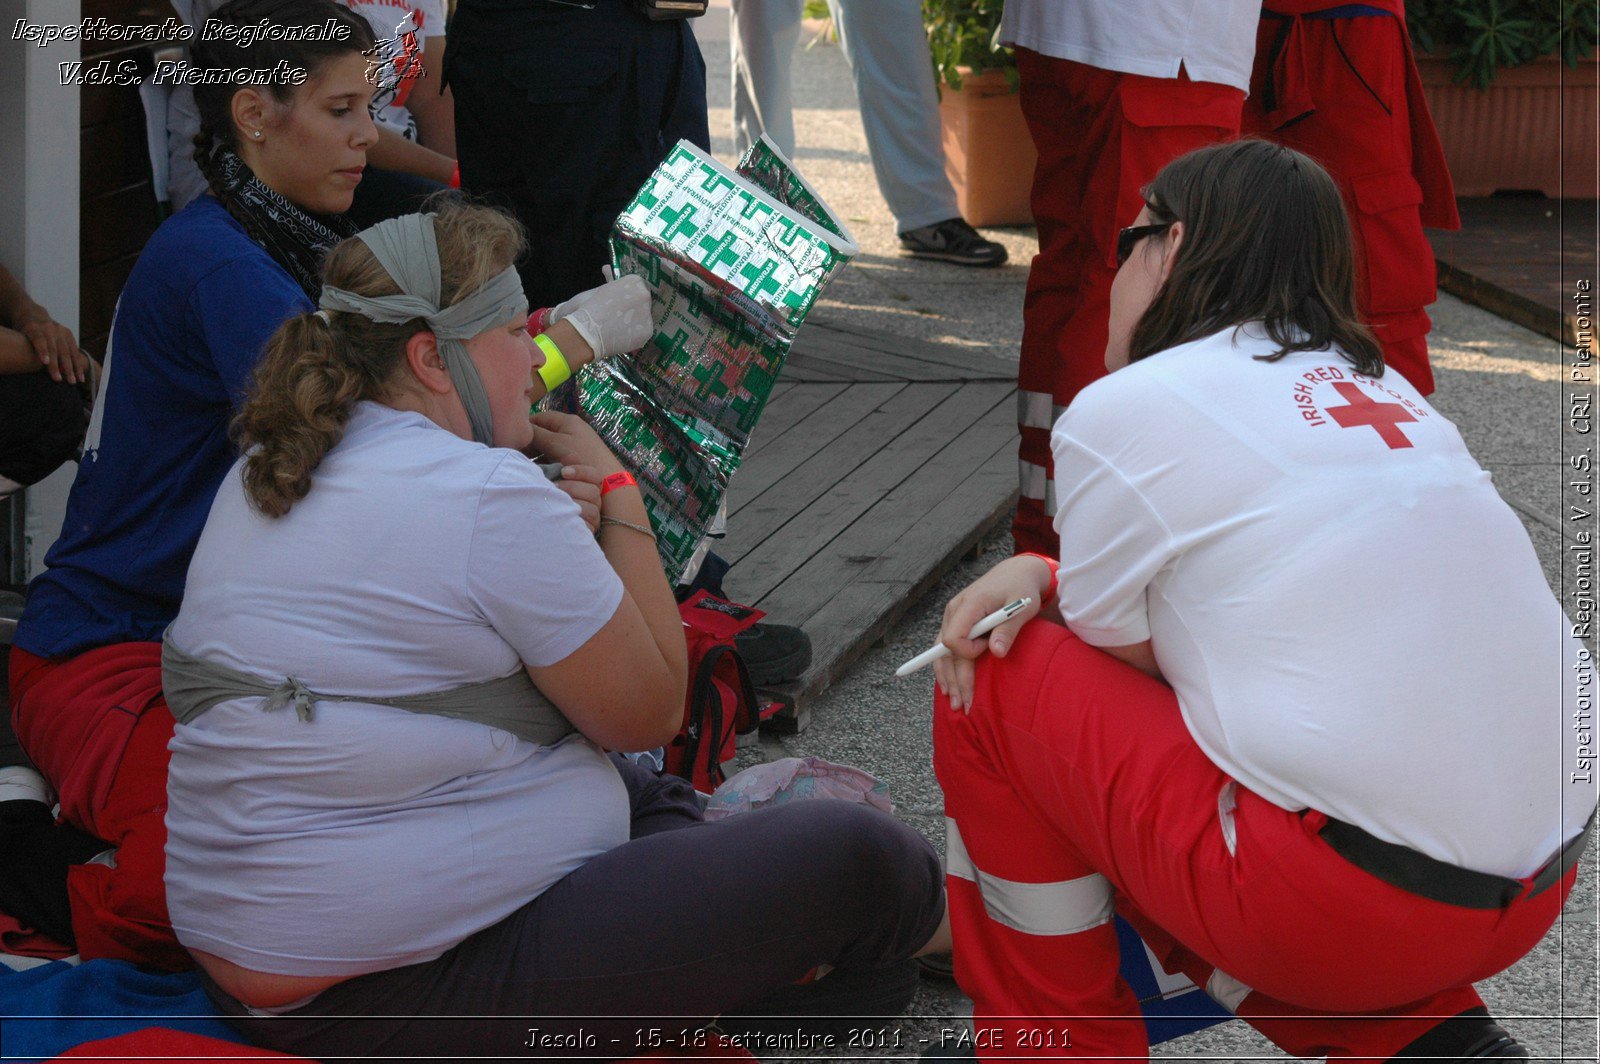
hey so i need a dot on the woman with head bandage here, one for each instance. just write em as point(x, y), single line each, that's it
point(401, 660)
point(283, 151)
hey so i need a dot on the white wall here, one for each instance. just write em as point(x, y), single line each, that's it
point(39, 210)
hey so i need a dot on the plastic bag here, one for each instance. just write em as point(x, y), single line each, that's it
point(793, 779)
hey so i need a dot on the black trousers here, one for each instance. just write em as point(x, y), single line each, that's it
point(42, 422)
point(561, 114)
point(687, 921)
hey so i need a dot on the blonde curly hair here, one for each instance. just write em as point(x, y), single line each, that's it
point(316, 368)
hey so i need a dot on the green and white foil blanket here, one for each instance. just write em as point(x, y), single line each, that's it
point(735, 261)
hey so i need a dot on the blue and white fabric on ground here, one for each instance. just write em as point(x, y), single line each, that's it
point(51, 1007)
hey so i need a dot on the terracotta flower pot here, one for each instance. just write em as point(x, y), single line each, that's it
point(988, 152)
point(1533, 128)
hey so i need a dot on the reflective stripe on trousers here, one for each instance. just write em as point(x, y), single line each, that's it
point(1062, 908)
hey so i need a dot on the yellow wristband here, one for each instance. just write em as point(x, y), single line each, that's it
point(555, 370)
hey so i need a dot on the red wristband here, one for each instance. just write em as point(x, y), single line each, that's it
point(617, 480)
point(455, 177)
point(1049, 592)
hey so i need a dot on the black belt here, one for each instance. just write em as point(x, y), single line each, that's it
point(1419, 874)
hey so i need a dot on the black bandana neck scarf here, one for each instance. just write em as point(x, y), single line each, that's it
point(296, 239)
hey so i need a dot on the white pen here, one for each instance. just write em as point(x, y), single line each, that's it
point(983, 627)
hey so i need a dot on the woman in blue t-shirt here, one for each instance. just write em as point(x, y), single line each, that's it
point(283, 156)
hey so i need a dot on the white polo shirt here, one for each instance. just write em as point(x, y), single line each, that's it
point(1212, 40)
point(1352, 619)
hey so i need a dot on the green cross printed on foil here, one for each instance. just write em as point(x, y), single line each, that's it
point(733, 274)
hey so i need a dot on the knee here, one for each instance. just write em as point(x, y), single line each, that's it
point(866, 859)
point(44, 422)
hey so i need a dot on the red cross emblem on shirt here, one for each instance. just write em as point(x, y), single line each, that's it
point(1364, 410)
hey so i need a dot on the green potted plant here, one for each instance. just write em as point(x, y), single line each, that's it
point(1481, 37)
point(1498, 77)
point(961, 37)
point(989, 154)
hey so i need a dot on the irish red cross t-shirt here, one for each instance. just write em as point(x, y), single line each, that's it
point(1352, 619)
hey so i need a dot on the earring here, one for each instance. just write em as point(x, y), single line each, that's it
point(256, 134)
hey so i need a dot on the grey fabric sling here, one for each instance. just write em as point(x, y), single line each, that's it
point(511, 703)
point(408, 250)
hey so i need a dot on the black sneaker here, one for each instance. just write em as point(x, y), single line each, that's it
point(939, 967)
point(1473, 1035)
point(952, 240)
point(774, 653)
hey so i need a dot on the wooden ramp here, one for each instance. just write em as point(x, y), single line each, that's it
point(1520, 257)
point(877, 464)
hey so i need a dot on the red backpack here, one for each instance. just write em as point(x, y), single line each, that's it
point(721, 703)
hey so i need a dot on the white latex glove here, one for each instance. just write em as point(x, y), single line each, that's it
point(612, 319)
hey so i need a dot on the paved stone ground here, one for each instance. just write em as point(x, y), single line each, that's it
point(1501, 384)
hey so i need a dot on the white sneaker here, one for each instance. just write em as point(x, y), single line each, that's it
point(20, 783)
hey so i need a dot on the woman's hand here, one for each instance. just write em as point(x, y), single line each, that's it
point(582, 483)
point(53, 345)
point(568, 439)
point(613, 318)
point(1012, 579)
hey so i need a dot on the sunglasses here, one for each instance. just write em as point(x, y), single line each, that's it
point(1127, 238)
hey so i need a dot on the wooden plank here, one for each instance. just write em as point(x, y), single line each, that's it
point(863, 364)
point(773, 464)
point(1506, 258)
point(878, 341)
point(875, 548)
point(854, 369)
point(818, 527)
point(838, 457)
point(949, 356)
point(852, 356)
point(1505, 302)
point(865, 610)
point(784, 411)
point(813, 372)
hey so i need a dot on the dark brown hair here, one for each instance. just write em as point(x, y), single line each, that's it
point(316, 369)
point(1266, 238)
point(307, 18)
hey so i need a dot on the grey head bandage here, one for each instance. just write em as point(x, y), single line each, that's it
point(407, 249)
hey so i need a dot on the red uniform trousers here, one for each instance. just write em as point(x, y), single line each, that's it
point(1345, 91)
point(1101, 137)
point(97, 727)
point(1074, 786)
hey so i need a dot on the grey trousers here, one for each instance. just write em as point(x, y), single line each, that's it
point(887, 47)
point(687, 921)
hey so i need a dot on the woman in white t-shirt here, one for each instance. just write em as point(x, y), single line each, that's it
point(401, 655)
point(1266, 716)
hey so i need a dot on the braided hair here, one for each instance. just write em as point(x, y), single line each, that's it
point(249, 52)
